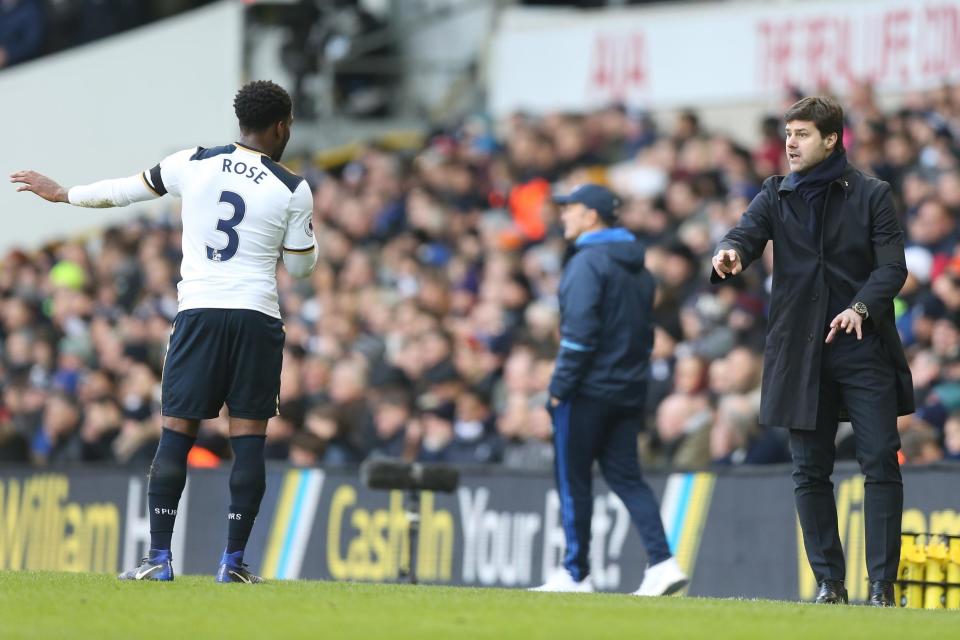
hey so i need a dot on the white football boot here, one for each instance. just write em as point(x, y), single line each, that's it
point(662, 579)
point(561, 581)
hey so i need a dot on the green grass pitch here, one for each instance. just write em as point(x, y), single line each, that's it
point(61, 605)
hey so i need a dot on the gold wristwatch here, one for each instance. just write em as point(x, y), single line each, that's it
point(860, 309)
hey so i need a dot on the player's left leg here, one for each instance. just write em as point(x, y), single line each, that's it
point(193, 389)
point(168, 477)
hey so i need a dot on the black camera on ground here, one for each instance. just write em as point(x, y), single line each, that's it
point(412, 477)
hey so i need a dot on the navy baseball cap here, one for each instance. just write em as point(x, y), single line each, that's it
point(595, 197)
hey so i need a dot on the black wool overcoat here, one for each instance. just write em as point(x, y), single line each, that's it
point(859, 247)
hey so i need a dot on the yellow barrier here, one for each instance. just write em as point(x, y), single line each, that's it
point(929, 573)
point(953, 575)
point(913, 560)
point(934, 593)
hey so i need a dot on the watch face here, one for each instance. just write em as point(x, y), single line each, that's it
point(860, 308)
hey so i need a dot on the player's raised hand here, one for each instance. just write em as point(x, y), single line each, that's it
point(727, 262)
point(39, 184)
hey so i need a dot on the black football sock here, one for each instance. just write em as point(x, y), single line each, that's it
point(168, 476)
point(247, 484)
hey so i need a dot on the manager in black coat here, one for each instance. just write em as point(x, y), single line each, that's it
point(831, 342)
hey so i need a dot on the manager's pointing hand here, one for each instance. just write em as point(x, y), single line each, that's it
point(727, 262)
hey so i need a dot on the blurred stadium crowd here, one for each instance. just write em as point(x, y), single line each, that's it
point(31, 28)
point(430, 326)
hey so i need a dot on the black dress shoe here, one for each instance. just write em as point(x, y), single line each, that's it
point(881, 594)
point(832, 592)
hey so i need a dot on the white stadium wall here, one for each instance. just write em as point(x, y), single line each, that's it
point(114, 108)
point(717, 54)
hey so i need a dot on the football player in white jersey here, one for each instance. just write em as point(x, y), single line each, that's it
point(241, 211)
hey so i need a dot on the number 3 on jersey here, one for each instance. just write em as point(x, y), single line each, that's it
point(227, 227)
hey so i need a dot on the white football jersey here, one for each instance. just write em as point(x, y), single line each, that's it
point(240, 208)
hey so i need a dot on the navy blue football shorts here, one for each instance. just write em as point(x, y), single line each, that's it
point(219, 356)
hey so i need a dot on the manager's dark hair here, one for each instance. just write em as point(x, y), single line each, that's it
point(260, 104)
point(825, 112)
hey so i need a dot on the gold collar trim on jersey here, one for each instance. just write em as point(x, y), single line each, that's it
point(250, 149)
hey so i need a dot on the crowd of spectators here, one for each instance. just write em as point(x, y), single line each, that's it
point(31, 28)
point(429, 328)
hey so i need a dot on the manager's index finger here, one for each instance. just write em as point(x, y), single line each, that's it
point(718, 267)
point(731, 255)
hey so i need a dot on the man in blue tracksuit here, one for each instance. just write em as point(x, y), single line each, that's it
point(599, 385)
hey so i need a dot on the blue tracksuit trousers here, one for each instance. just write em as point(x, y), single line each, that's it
point(585, 430)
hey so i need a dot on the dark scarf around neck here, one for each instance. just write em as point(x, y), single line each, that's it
point(812, 186)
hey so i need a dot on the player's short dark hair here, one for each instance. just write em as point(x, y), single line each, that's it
point(823, 111)
point(260, 104)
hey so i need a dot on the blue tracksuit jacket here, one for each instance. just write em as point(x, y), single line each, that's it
point(606, 327)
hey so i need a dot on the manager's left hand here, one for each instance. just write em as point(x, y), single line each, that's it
point(848, 320)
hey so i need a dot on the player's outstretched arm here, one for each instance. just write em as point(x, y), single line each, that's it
point(107, 193)
point(37, 183)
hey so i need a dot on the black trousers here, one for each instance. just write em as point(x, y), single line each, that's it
point(856, 375)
